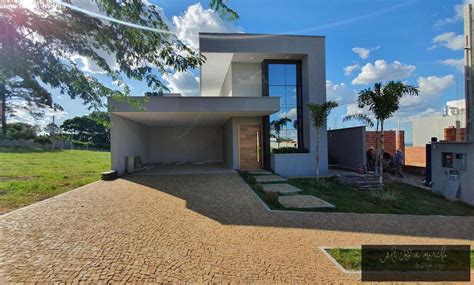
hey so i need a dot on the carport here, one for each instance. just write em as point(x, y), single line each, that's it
point(181, 131)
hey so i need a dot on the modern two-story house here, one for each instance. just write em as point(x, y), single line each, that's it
point(247, 82)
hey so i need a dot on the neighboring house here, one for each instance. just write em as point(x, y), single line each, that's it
point(424, 128)
point(452, 162)
point(248, 80)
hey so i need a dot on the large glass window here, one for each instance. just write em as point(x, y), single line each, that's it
point(284, 81)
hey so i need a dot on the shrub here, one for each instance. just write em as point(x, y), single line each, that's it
point(250, 180)
point(42, 140)
point(258, 188)
point(387, 194)
point(271, 198)
point(290, 150)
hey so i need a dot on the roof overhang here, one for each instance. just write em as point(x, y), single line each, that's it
point(192, 111)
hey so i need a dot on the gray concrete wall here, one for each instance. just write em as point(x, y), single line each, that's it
point(440, 174)
point(185, 144)
point(31, 143)
point(312, 51)
point(426, 128)
point(246, 79)
point(228, 144)
point(294, 164)
point(127, 138)
point(347, 147)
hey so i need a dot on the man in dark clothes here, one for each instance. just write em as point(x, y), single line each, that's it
point(399, 160)
point(370, 159)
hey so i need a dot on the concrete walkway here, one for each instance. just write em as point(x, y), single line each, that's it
point(195, 228)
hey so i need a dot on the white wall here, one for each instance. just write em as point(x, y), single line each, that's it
point(246, 79)
point(126, 138)
point(189, 144)
point(226, 89)
point(426, 128)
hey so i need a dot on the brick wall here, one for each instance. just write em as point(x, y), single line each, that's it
point(391, 141)
point(415, 156)
point(450, 134)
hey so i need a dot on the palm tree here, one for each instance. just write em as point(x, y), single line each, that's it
point(383, 101)
point(277, 125)
point(319, 114)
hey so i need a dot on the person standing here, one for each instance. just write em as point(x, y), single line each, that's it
point(399, 161)
point(370, 159)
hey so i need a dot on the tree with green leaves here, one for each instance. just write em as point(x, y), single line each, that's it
point(22, 131)
point(383, 101)
point(38, 48)
point(319, 114)
point(277, 126)
point(92, 128)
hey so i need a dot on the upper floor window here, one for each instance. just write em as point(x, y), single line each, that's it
point(284, 81)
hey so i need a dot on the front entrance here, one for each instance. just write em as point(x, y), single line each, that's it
point(250, 147)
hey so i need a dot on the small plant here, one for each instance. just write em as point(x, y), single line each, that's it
point(271, 198)
point(258, 188)
point(290, 150)
point(42, 140)
point(250, 180)
point(387, 194)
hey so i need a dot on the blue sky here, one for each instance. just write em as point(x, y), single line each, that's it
point(416, 41)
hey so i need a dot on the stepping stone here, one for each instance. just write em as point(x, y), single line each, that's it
point(260, 172)
point(269, 178)
point(303, 201)
point(281, 189)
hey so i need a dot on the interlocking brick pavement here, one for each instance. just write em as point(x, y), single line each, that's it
point(196, 228)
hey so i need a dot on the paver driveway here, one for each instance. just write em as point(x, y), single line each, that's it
point(194, 228)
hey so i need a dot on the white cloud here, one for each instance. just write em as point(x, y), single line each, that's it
point(23, 116)
point(196, 19)
point(456, 63)
point(183, 82)
point(364, 53)
point(431, 90)
point(381, 70)
point(348, 70)
point(291, 114)
point(340, 93)
point(449, 40)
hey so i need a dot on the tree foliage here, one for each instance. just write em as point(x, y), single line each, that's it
point(92, 128)
point(38, 48)
point(22, 131)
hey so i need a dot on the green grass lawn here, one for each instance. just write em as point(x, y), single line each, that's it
point(404, 198)
point(29, 175)
point(408, 199)
point(350, 258)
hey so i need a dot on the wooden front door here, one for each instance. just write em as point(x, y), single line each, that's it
point(250, 147)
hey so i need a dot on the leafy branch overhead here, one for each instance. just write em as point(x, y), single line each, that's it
point(38, 49)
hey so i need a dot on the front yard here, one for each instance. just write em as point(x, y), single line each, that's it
point(399, 199)
point(29, 175)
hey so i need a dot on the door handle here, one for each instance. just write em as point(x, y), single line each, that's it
point(258, 146)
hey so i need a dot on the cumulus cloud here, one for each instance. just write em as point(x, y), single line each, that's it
point(183, 82)
point(449, 40)
point(23, 116)
point(340, 93)
point(456, 63)
point(381, 70)
point(431, 90)
point(197, 19)
point(364, 53)
point(291, 114)
point(348, 70)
